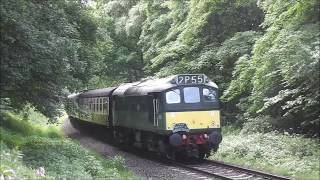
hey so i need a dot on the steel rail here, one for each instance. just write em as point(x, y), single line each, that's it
point(251, 171)
point(200, 171)
point(251, 174)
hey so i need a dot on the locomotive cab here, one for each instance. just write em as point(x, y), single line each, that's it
point(191, 115)
point(196, 106)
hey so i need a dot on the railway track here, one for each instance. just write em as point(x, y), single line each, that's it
point(227, 171)
point(208, 168)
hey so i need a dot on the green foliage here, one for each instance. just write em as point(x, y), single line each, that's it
point(63, 158)
point(11, 165)
point(118, 163)
point(17, 125)
point(119, 24)
point(280, 79)
point(11, 139)
point(183, 36)
point(25, 147)
point(258, 124)
point(36, 117)
point(290, 155)
point(42, 51)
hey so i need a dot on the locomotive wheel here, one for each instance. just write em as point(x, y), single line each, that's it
point(202, 154)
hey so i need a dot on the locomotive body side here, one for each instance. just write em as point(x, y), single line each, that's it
point(134, 112)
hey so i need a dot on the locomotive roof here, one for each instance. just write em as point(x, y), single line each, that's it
point(150, 85)
point(98, 92)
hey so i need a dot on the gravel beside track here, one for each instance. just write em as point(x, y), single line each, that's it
point(140, 166)
point(228, 171)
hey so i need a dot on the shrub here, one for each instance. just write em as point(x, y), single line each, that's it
point(11, 139)
point(118, 162)
point(16, 124)
point(45, 147)
point(258, 124)
point(63, 158)
point(11, 165)
point(290, 155)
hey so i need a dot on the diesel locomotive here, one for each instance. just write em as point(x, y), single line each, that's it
point(179, 114)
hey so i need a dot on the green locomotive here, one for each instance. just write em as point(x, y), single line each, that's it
point(177, 114)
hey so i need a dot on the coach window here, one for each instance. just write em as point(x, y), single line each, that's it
point(105, 105)
point(89, 103)
point(94, 104)
point(81, 103)
point(191, 94)
point(173, 96)
point(85, 101)
point(209, 95)
point(101, 105)
point(98, 104)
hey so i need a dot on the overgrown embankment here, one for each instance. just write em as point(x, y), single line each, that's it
point(289, 155)
point(31, 151)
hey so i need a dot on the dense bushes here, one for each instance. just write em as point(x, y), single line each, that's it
point(17, 125)
point(290, 155)
point(281, 77)
point(11, 164)
point(65, 159)
point(26, 147)
point(45, 46)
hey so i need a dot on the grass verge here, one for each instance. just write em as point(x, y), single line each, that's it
point(288, 155)
point(27, 147)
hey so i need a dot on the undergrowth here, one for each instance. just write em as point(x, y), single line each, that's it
point(15, 124)
point(289, 155)
point(27, 147)
point(12, 166)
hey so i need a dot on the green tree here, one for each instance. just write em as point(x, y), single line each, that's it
point(42, 51)
point(282, 75)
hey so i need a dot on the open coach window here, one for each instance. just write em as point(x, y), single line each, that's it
point(173, 96)
point(209, 95)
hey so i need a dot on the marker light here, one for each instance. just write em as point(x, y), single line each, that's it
point(184, 137)
point(206, 136)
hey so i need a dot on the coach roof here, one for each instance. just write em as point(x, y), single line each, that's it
point(98, 92)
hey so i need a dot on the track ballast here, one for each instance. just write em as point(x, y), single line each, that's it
point(227, 171)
